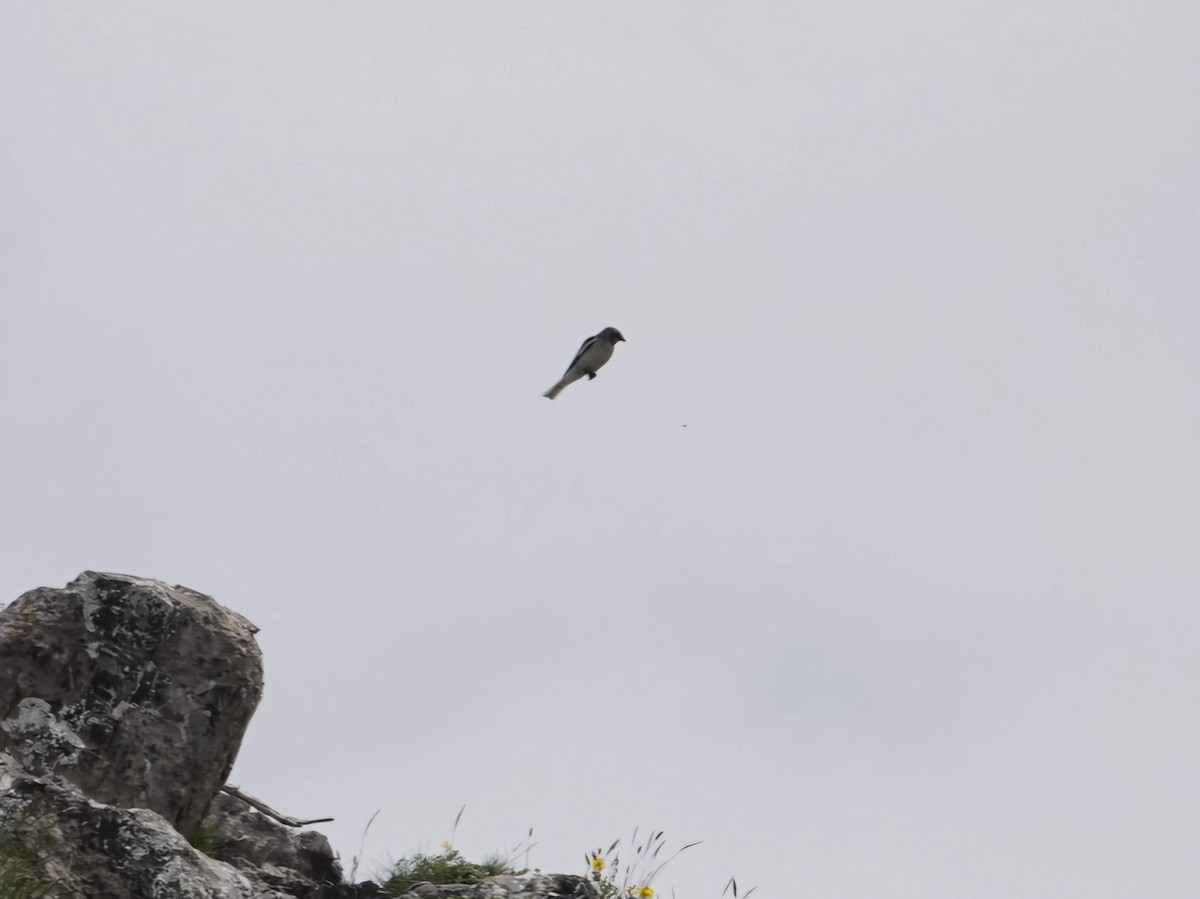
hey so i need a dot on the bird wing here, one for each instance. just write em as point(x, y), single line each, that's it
point(587, 345)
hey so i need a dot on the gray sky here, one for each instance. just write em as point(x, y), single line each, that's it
point(870, 559)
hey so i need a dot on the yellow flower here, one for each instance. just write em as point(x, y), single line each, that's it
point(644, 893)
point(447, 845)
point(598, 863)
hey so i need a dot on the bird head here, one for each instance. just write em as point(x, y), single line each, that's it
point(612, 335)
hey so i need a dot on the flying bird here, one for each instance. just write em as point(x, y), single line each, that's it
point(592, 355)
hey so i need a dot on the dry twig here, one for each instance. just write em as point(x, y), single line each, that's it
point(267, 810)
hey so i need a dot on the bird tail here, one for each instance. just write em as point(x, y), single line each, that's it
point(570, 377)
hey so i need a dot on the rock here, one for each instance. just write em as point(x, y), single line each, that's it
point(365, 890)
point(123, 702)
point(137, 692)
point(96, 850)
point(290, 861)
point(510, 886)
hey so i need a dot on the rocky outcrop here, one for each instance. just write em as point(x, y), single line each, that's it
point(137, 692)
point(123, 702)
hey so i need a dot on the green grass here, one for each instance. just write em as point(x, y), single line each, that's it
point(207, 839)
point(22, 875)
point(448, 866)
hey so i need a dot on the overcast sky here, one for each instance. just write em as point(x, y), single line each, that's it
point(872, 558)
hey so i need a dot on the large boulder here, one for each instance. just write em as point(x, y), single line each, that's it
point(137, 692)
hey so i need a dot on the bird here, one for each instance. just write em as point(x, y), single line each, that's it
point(596, 350)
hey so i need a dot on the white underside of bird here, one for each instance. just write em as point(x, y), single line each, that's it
point(591, 356)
